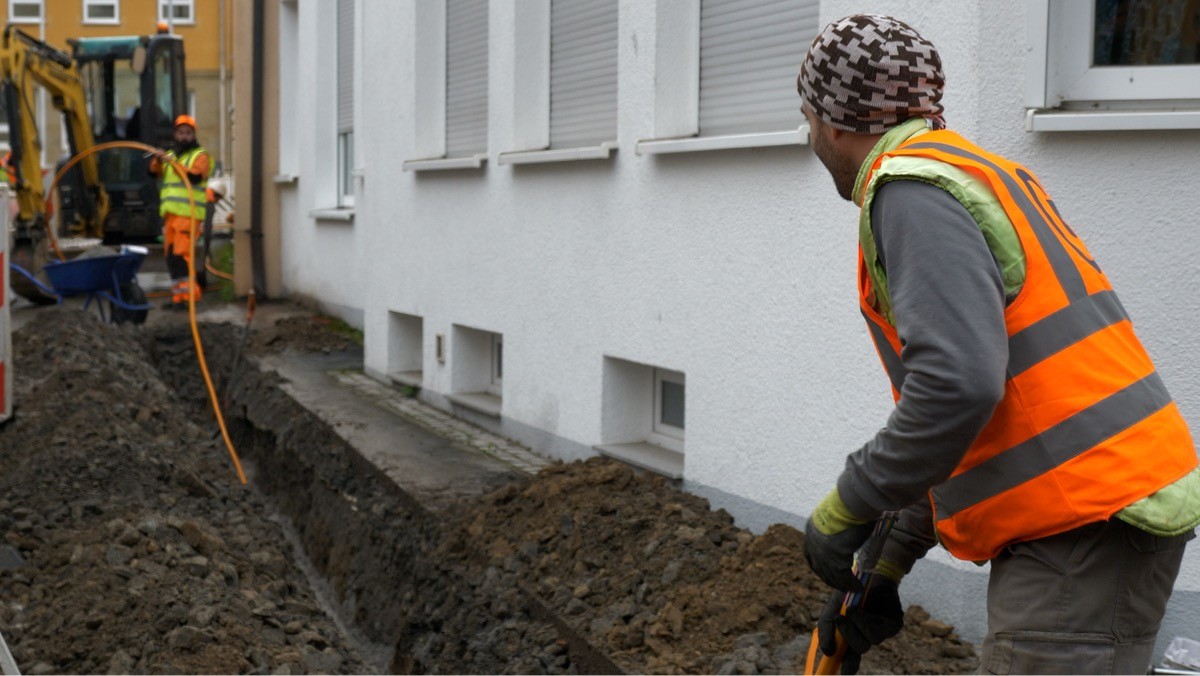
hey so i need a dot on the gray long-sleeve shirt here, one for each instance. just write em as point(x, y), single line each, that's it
point(948, 301)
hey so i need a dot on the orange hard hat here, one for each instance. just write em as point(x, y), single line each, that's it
point(186, 119)
point(162, 27)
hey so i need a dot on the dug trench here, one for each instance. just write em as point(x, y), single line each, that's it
point(130, 547)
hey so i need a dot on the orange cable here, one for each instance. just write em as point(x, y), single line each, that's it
point(212, 393)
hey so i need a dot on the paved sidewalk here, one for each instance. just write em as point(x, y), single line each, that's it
point(507, 451)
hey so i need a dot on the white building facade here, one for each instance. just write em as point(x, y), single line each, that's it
point(597, 227)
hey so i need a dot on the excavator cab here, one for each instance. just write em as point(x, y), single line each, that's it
point(135, 86)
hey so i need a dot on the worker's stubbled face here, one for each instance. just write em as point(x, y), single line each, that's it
point(185, 135)
point(839, 165)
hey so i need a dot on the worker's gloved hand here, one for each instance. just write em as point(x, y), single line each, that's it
point(879, 618)
point(831, 537)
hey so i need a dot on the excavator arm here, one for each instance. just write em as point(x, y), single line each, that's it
point(27, 64)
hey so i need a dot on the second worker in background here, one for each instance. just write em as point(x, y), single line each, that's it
point(178, 214)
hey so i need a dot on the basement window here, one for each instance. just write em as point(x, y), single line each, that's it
point(477, 370)
point(406, 354)
point(643, 416)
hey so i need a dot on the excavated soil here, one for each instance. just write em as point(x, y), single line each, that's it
point(130, 548)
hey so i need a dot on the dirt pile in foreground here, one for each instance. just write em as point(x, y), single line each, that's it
point(127, 545)
point(655, 579)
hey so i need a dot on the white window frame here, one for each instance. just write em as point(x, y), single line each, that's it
point(496, 360)
point(191, 13)
point(289, 94)
point(677, 91)
point(663, 434)
point(41, 5)
point(430, 78)
point(348, 163)
point(106, 21)
point(346, 172)
point(531, 92)
point(1064, 92)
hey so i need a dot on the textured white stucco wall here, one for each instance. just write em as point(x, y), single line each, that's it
point(735, 267)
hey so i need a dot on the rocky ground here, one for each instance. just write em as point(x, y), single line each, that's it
point(128, 546)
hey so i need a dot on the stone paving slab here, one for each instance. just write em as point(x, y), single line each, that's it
point(441, 423)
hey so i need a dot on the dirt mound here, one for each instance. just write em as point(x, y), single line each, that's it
point(128, 545)
point(661, 583)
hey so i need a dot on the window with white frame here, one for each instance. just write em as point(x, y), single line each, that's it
point(668, 423)
point(726, 72)
point(477, 369)
point(466, 77)
point(102, 11)
point(1114, 64)
point(25, 11)
point(345, 103)
point(495, 386)
point(750, 52)
point(583, 73)
point(642, 417)
point(177, 11)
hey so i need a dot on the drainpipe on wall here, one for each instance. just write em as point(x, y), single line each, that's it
point(221, 79)
point(257, 278)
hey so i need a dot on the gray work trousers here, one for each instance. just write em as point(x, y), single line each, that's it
point(1088, 601)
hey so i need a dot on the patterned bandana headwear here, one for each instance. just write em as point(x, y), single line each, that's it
point(867, 73)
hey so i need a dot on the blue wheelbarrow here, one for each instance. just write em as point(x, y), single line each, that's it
point(105, 279)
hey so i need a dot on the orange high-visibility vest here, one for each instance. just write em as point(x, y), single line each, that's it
point(1085, 427)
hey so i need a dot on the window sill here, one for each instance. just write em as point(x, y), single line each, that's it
point(406, 378)
point(285, 179)
point(343, 214)
point(102, 22)
point(480, 402)
point(732, 141)
point(1041, 119)
point(444, 163)
point(600, 152)
point(646, 456)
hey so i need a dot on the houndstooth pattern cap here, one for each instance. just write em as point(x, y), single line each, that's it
point(867, 73)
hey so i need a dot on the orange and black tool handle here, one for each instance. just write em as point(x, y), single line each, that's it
point(864, 562)
point(820, 663)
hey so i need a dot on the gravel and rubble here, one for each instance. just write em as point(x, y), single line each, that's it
point(129, 547)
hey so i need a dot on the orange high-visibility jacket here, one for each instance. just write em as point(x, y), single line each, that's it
point(1086, 427)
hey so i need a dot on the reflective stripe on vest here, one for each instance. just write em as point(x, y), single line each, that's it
point(1070, 442)
point(173, 198)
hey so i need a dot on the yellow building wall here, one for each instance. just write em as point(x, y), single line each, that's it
point(202, 41)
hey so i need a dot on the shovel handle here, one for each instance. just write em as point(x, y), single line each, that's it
point(820, 663)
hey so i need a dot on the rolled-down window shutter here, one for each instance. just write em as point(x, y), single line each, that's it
point(345, 66)
point(583, 72)
point(750, 54)
point(466, 77)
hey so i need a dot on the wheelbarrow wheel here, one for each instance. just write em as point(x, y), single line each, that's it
point(133, 295)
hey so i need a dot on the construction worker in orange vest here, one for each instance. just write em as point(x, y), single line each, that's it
point(1030, 428)
point(179, 214)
